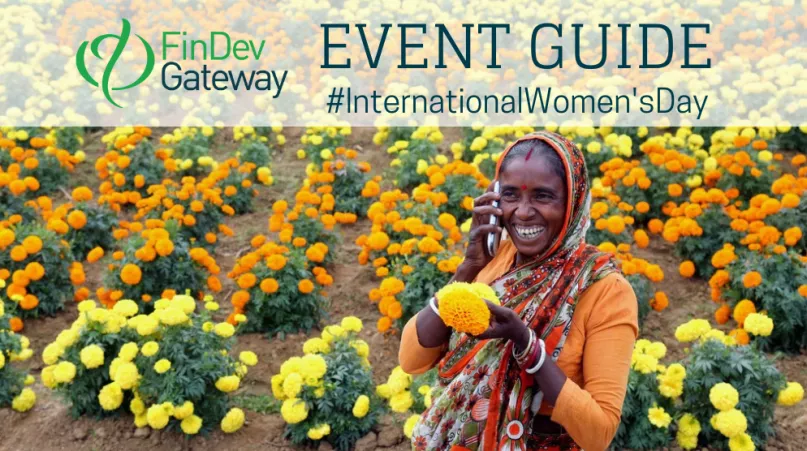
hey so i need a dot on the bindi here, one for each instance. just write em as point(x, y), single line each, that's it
point(523, 187)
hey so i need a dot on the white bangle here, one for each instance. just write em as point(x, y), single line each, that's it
point(540, 363)
point(434, 307)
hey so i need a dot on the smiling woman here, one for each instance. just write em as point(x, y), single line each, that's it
point(551, 371)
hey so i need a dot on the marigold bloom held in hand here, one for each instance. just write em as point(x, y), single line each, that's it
point(463, 309)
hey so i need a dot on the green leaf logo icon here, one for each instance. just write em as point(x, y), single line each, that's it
point(121, 39)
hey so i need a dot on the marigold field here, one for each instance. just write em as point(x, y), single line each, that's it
point(239, 288)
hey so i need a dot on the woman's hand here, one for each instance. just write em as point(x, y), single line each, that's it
point(506, 324)
point(476, 257)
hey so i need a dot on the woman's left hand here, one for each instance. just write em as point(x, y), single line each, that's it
point(506, 324)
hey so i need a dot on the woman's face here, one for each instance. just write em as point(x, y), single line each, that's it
point(533, 203)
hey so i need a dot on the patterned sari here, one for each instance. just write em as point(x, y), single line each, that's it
point(484, 401)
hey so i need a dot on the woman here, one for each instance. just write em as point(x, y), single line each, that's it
point(551, 371)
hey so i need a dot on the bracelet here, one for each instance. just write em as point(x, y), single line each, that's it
point(521, 356)
point(540, 363)
point(434, 307)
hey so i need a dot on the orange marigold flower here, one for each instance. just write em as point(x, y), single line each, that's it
point(641, 238)
point(130, 274)
point(655, 226)
point(384, 323)
point(675, 190)
point(240, 299)
point(659, 301)
point(740, 336)
point(82, 194)
point(752, 279)
point(18, 253)
point(214, 284)
point(742, 310)
point(722, 314)
point(803, 290)
point(269, 285)
point(34, 270)
point(276, 262)
point(247, 280)
point(687, 269)
point(32, 244)
point(164, 247)
point(305, 286)
point(378, 241)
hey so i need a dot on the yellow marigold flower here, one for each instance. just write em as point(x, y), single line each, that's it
point(401, 402)
point(351, 323)
point(92, 356)
point(462, 309)
point(191, 424)
point(729, 422)
point(741, 442)
point(128, 351)
point(24, 401)
point(410, 424)
point(248, 358)
point(228, 384)
point(316, 345)
point(162, 365)
point(724, 396)
point(645, 364)
point(158, 416)
point(126, 375)
point(361, 406)
point(692, 330)
point(64, 372)
point(137, 406)
point(150, 348)
point(126, 308)
point(791, 395)
point(292, 385)
point(225, 330)
point(183, 411)
point(111, 396)
point(294, 410)
point(758, 324)
point(658, 417)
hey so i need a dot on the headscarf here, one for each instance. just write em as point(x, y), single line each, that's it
point(484, 400)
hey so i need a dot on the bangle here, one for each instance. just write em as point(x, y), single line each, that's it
point(541, 360)
point(526, 351)
point(434, 306)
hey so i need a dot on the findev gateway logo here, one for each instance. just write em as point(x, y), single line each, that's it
point(191, 80)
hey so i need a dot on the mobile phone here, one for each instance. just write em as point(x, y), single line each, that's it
point(493, 238)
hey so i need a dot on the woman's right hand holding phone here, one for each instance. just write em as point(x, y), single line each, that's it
point(476, 256)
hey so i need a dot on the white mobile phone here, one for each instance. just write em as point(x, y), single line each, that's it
point(492, 243)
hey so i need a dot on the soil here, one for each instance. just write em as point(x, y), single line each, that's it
point(49, 426)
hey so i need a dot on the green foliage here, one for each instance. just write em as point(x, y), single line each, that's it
point(405, 173)
point(787, 218)
point(144, 162)
point(254, 151)
point(70, 139)
point(187, 151)
point(635, 430)
point(744, 367)
point(241, 200)
point(286, 310)
point(263, 404)
point(347, 186)
point(320, 143)
point(782, 275)
point(748, 184)
point(457, 187)
point(716, 225)
point(54, 288)
point(97, 232)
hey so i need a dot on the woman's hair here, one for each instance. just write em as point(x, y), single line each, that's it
point(536, 148)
